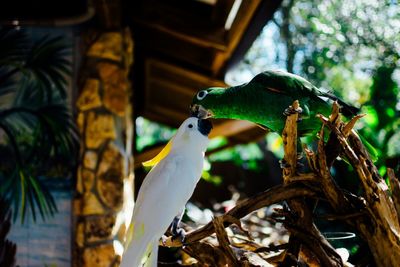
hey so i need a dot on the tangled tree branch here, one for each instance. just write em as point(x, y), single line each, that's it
point(271, 196)
point(374, 215)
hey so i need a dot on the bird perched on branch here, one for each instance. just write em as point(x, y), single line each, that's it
point(165, 191)
point(265, 101)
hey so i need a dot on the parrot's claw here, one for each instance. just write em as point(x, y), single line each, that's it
point(300, 155)
point(283, 164)
point(290, 110)
point(164, 240)
point(179, 233)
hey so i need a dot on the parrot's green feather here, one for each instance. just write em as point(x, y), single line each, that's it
point(264, 99)
point(373, 153)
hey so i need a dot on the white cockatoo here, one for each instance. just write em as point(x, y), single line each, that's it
point(165, 191)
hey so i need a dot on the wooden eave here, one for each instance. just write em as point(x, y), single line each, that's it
point(182, 46)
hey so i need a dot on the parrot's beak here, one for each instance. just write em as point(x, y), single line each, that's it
point(204, 126)
point(200, 112)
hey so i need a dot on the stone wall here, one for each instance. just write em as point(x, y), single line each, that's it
point(104, 199)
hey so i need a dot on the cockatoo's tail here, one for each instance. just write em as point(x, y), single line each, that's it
point(165, 191)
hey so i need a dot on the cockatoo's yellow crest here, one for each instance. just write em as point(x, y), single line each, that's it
point(164, 152)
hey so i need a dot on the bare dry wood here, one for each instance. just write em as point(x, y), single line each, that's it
point(380, 228)
point(271, 196)
point(304, 220)
point(332, 191)
point(395, 186)
point(224, 243)
point(289, 136)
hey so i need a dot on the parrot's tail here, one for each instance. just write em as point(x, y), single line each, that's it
point(348, 110)
point(140, 253)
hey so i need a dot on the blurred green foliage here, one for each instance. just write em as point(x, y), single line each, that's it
point(246, 156)
point(349, 47)
point(149, 133)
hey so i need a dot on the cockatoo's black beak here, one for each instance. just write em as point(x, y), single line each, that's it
point(199, 112)
point(204, 126)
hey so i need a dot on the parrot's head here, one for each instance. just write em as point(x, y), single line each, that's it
point(208, 103)
point(191, 136)
point(192, 130)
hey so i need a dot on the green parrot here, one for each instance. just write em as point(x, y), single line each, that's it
point(265, 101)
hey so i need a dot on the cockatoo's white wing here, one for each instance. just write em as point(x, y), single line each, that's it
point(154, 194)
point(144, 218)
point(164, 192)
point(160, 199)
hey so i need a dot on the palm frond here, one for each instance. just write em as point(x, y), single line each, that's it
point(47, 131)
point(26, 192)
point(57, 118)
point(35, 119)
point(12, 141)
point(47, 65)
point(30, 96)
point(55, 123)
point(13, 50)
point(44, 64)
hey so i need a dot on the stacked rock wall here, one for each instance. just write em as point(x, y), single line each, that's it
point(104, 199)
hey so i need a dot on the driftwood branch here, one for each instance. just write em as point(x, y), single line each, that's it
point(271, 196)
point(380, 227)
point(395, 185)
point(374, 214)
point(304, 221)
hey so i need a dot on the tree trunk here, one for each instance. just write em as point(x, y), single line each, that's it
point(287, 35)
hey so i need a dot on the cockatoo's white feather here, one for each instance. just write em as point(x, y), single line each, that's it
point(164, 192)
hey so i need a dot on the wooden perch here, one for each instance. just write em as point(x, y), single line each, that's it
point(271, 196)
point(332, 191)
point(395, 186)
point(302, 211)
point(289, 137)
point(380, 227)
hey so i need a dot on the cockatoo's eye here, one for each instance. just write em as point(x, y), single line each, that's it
point(190, 126)
point(201, 95)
